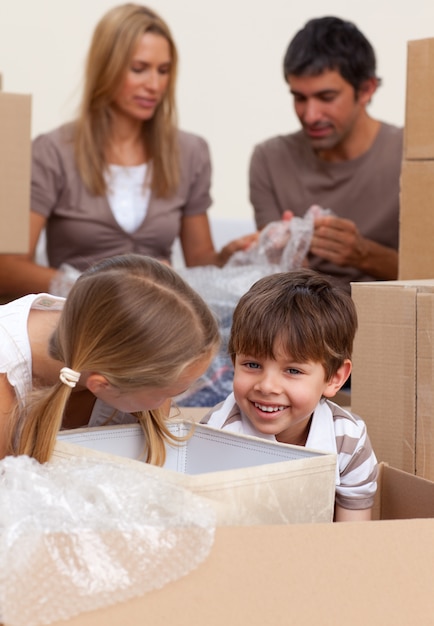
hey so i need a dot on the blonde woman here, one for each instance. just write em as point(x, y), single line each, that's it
point(122, 177)
point(130, 335)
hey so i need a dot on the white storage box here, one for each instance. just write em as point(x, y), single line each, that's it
point(248, 480)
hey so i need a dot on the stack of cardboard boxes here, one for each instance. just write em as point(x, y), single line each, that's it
point(393, 379)
point(416, 257)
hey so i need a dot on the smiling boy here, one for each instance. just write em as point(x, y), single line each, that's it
point(291, 342)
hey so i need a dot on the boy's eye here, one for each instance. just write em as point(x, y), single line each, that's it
point(293, 371)
point(252, 365)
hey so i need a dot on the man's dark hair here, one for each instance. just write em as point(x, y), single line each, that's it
point(330, 43)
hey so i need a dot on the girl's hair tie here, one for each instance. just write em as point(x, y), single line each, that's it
point(69, 377)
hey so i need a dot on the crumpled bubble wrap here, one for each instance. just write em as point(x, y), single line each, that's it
point(63, 280)
point(82, 534)
point(281, 246)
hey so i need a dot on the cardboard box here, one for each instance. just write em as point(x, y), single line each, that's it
point(419, 121)
point(393, 375)
point(15, 163)
point(363, 573)
point(402, 496)
point(247, 480)
point(416, 256)
point(416, 234)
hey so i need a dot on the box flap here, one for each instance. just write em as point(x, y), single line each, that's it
point(403, 496)
point(207, 450)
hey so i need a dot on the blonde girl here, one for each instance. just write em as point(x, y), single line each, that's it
point(130, 335)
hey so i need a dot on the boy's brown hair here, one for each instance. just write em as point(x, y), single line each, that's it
point(312, 320)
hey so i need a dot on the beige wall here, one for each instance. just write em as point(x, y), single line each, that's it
point(230, 87)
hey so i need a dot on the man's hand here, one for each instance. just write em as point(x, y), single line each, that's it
point(339, 241)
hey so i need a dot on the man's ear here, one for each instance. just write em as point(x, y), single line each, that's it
point(96, 383)
point(367, 90)
point(338, 379)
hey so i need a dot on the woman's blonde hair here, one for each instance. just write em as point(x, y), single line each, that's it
point(114, 41)
point(136, 322)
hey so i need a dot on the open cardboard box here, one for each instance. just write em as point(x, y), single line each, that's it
point(363, 573)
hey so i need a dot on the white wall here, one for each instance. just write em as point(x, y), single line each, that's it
point(230, 87)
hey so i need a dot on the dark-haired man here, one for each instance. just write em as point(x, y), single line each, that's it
point(342, 159)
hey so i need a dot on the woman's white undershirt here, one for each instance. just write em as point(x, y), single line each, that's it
point(127, 196)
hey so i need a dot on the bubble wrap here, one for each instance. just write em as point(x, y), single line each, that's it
point(63, 280)
point(82, 534)
point(281, 246)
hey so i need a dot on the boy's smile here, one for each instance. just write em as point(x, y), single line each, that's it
point(278, 396)
point(269, 409)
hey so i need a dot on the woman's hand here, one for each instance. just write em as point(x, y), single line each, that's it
point(198, 247)
point(242, 243)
